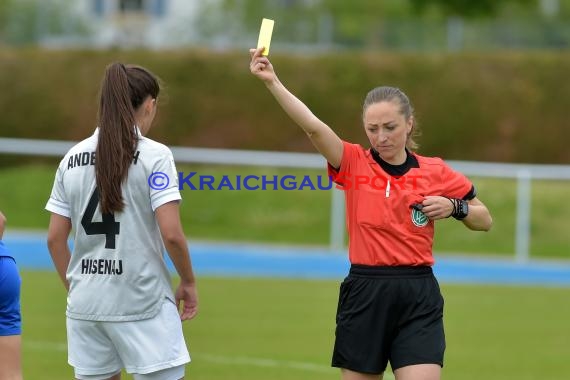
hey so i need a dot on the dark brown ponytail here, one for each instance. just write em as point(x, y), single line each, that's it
point(123, 90)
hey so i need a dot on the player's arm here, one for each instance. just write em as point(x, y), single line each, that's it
point(58, 232)
point(320, 134)
point(168, 218)
point(2, 224)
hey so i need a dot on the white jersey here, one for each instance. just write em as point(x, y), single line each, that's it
point(117, 270)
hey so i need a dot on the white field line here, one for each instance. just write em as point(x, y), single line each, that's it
point(44, 346)
point(220, 359)
point(261, 362)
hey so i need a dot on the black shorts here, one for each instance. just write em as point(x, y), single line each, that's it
point(390, 314)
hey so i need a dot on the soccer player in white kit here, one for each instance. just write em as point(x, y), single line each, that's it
point(121, 310)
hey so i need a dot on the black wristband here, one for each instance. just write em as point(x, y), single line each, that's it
point(460, 208)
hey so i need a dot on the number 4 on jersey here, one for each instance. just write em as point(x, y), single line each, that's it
point(107, 227)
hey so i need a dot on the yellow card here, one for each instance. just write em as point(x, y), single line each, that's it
point(265, 35)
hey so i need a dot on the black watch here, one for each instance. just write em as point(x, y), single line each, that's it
point(462, 209)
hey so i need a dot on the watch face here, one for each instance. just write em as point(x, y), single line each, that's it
point(464, 207)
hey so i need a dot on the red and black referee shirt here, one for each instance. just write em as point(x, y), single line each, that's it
point(383, 228)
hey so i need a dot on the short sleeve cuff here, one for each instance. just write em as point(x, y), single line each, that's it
point(471, 194)
point(165, 196)
point(336, 174)
point(58, 207)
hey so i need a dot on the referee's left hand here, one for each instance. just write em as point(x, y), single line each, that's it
point(436, 207)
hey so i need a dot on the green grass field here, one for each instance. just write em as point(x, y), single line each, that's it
point(250, 329)
point(302, 216)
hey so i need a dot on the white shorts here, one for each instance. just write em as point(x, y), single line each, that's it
point(142, 347)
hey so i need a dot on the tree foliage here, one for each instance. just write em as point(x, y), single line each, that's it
point(467, 8)
point(4, 5)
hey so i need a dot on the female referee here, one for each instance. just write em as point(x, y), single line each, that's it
point(121, 311)
point(10, 318)
point(390, 307)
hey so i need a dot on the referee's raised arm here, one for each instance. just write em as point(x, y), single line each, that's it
point(321, 135)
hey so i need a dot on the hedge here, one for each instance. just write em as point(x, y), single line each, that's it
point(509, 107)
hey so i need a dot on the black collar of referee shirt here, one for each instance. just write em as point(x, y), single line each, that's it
point(396, 170)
